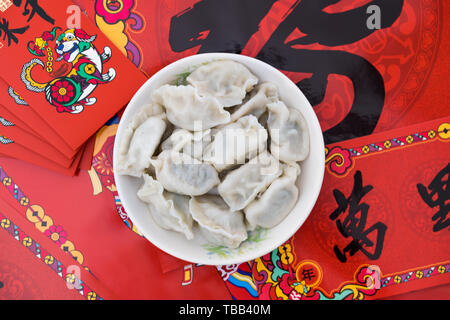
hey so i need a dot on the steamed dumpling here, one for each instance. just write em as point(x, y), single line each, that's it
point(218, 224)
point(256, 105)
point(182, 174)
point(186, 109)
point(190, 143)
point(276, 202)
point(177, 140)
point(241, 186)
point(141, 138)
point(196, 147)
point(170, 211)
point(288, 132)
point(236, 142)
point(226, 80)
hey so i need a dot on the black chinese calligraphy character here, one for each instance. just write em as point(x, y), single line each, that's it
point(35, 8)
point(438, 196)
point(228, 26)
point(228, 29)
point(354, 224)
point(10, 34)
point(308, 274)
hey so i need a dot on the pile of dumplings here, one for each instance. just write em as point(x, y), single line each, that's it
point(179, 145)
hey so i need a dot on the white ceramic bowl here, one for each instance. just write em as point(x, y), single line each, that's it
point(261, 242)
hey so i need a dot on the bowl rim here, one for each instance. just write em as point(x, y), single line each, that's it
point(188, 61)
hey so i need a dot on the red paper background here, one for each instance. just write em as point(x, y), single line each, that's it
point(411, 56)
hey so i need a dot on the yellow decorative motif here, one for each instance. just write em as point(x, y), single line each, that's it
point(24, 201)
point(35, 213)
point(68, 246)
point(301, 288)
point(27, 241)
point(49, 259)
point(419, 274)
point(30, 79)
point(7, 181)
point(49, 68)
point(95, 181)
point(77, 255)
point(18, 95)
point(102, 135)
point(409, 139)
point(286, 255)
point(280, 293)
point(356, 290)
point(387, 144)
point(365, 149)
point(92, 295)
point(5, 223)
point(41, 43)
point(89, 69)
point(444, 131)
point(260, 266)
point(44, 224)
point(115, 32)
point(431, 134)
point(70, 278)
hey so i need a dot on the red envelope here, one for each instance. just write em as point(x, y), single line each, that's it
point(13, 132)
point(17, 121)
point(20, 109)
point(86, 159)
point(15, 150)
point(74, 78)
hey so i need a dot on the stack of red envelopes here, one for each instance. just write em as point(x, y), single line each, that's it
point(61, 80)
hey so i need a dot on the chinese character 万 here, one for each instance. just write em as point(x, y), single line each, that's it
point(354, 224)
